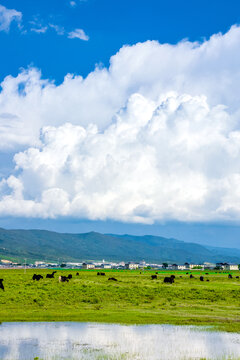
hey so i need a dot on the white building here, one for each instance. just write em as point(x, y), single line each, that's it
point(106, 266)
point(6, 262)
point(72, 265)
point(40, 264)
point(121, 263)
point(181, 267)
point(209, 266)
point(88, 266)
point(231, 267)
point(178, 267)
point(142, 264)
point(196, 266)
point(131, 265)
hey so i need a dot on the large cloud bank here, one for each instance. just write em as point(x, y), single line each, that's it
point(154, 137)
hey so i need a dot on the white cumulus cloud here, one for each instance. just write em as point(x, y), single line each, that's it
point(211, 69)
point(174, 158)
point(155, 136)
point(7, 16)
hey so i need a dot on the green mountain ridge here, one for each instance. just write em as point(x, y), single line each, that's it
point(52, 246)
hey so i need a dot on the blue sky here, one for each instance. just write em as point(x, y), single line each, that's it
point(98, 133)
point(110, 25)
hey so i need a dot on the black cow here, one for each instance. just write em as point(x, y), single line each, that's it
point(101, 273)
point(77, 274)
point(37, 277)
point(169, 280)
point(230, 276)
point(112, 278)
point(173, 276)
point(206, 273)
point(63, 278)
point(1, 284)
point(201, 278)
point(51, 276)
point(70, 276)
point(191, 276)
point(207, 280)
point(154, 277)
point(237, 277)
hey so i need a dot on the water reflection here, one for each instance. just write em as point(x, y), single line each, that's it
point(89, 341)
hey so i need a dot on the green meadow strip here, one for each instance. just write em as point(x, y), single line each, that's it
point(133, 299)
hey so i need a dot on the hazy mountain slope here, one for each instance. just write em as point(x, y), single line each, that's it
point(48, 245)
point(227, 251)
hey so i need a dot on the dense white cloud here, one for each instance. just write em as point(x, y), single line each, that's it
point(211, 69)
point(156, 136)
point(7, 16)
point(78, 34)
point(171, 158)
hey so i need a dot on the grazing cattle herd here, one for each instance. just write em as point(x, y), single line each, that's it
point(62, 278)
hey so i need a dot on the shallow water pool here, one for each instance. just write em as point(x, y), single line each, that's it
point(72, 340)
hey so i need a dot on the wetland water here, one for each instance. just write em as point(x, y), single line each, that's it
point(95, 341)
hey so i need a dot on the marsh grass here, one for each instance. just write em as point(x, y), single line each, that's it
point(133, 299)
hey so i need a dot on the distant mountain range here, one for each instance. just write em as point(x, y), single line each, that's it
point(53, 246)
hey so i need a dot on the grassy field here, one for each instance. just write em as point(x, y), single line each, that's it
point(133, 299)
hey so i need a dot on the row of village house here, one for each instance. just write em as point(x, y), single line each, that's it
point(129, 265)
point(133, 266)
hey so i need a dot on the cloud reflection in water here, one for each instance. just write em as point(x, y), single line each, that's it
point(23, 341)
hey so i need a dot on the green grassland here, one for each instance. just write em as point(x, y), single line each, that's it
point(133, 299)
